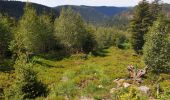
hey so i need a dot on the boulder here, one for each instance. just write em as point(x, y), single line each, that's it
point(144, 89)
point(119, 82)
point(126, 85)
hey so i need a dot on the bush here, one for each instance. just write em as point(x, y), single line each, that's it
point(26, 85)
point(121, 41)
point(104, 37)
point(107, 37)
point(89, 42)
point(166, 94)
point(134, 94)
point(157, 47)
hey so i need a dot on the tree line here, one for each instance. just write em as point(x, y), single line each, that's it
point(38, 34)
point(150, 35)
point(35, 34)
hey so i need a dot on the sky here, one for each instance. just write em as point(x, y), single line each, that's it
point(118, 3)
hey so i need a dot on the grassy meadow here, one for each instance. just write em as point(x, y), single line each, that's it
point(74, 76)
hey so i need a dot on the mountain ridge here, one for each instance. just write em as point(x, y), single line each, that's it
point(98, 15)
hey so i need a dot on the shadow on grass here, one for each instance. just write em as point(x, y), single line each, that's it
point(47, 65)
point(100, 53)
point(55, 56)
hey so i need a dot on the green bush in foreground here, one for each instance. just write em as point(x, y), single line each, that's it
point(26, 85)
point(157, 47)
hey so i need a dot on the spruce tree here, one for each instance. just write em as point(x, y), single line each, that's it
point(157, 46)
point(155, 9)
point(26, 85)
point(139, 25)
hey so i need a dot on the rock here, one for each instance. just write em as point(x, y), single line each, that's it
point(119, 82)
point(125, 85)
point(144, 89)
point(85, 98)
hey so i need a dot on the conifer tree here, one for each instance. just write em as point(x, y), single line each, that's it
point(155, 9)
point(139, 25)
point(157, 46)
point(26, 85)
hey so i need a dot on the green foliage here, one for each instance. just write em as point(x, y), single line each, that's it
point(104, 37)
point(6, 25)
point(68, 89)
point(89, 42)
point(166, 94)
point(156, 9)
point(121, 41)
point(119, 21)
point(86, 81)
point(26, 85)
point(107, 37)
point(25, 35)
point(133, 94)
point(70, 30)
point(33, 33)
point(139, 25)
point(157, 47)
point(46, 41)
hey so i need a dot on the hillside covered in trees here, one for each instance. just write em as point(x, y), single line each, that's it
point(98, 15)
point(84, 52)
point(16, 8)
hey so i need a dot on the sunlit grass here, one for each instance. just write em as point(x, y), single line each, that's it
point(91, 78)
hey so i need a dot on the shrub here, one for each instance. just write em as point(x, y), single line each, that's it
point(121, 41)
point(157, 47)
point(26, 85)
point(68, 89)
point(134, 94)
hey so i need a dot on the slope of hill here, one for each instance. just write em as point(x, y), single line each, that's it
point(166, 9)
point(89, 14)
point(94, 14)
point(15, 8)
point(111, 11)
point(98, 15)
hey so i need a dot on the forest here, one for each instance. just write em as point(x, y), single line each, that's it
point(63, 54)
